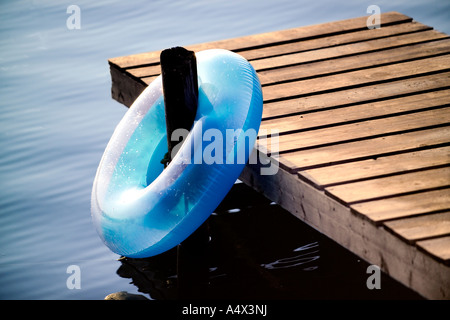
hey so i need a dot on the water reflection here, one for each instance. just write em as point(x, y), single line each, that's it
point(154, 276)
point(225, 257)
point(309, 253)
point(251, 248)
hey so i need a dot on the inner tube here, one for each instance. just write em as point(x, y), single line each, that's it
point(139, 208)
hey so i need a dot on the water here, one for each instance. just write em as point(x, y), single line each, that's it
point(56, 117)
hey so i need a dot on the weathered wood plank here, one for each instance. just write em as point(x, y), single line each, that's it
point(269, 38)
point(391, 186)
point(308, 103)
point(358, 130)
point(421, 227)
point(439, 248)
point(346, 50)
point(366, 149)
point(311, 44)
point(328, 67)
point(378, 167)
point(404, 206)
point(354, 96)
point(367, 111)
point(353, 63)
point(334, 40)
point(358, 78)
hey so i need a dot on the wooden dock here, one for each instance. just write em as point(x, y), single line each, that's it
point(364, 136)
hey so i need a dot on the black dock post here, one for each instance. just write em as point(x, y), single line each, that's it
point(180, 89)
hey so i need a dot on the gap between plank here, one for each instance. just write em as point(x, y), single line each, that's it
point(354, 86)
point(368, 157)
point(380, 135)
point(337, 124)
point(384, 175)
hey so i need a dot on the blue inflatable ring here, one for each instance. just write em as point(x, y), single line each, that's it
point(141, 209)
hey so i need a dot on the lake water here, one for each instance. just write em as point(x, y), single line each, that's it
point(57, 115)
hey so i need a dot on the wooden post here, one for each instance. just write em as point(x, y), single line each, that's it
point(180, 88)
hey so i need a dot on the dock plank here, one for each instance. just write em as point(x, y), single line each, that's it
point(363, 150)
point(354, 96)
point(404, 206)
point(261, 57)
point(356, 78)
point(421, 227)
point(334, 40)
point(391, 186)
point(359, 130)
point(379, 166)
point(361, 112)
point(347, 50)
point(353, 63)
point(439, 248)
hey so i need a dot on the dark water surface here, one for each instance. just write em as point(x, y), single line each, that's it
point(257, 250)
point(57, 116)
